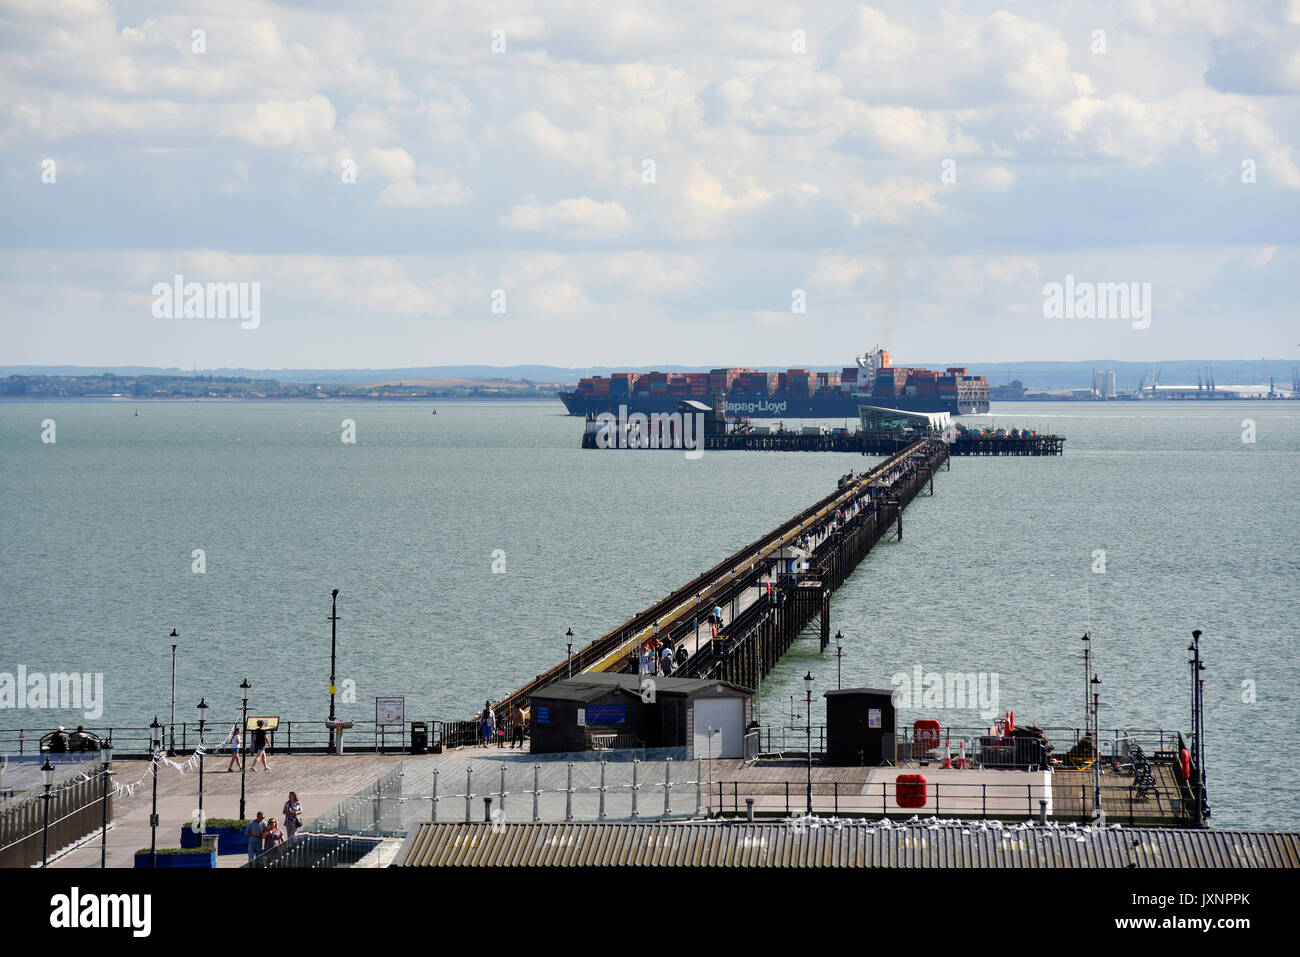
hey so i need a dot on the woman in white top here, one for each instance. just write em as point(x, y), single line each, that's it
point(292, 814)
point(236, 742)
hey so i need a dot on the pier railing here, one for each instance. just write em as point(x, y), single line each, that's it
point(521, 790)
point(316, 850)
point(75, 810)
point(290, 737)
point(1067, 796)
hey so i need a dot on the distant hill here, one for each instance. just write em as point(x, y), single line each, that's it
point(1034, 375)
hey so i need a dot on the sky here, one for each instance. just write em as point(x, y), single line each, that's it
point(399, 184)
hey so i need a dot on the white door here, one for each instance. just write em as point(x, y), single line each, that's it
point(726, 718)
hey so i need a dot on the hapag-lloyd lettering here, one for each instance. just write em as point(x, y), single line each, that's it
point(762, 405)
point(659, 430)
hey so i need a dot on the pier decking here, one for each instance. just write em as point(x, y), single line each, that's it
point(862, 443)
point(751, 593)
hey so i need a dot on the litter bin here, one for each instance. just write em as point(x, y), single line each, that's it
point(419, 737)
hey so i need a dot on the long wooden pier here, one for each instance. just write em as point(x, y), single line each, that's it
point(749, 586)
point(866, 443)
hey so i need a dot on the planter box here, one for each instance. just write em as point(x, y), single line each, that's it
point(191, 861)
point(229, 840)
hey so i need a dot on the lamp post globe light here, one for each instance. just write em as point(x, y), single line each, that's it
point(106, 759)
point(155, 745)
point(808, 683)
point(202, 708)
point(839, 659)
point(47, 778)
point(243, 745)
point(569, 635)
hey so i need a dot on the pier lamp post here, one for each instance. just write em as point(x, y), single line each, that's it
point(106, 759)
point(47, 776)
point(334, 621)
point(1197, 665)
point(171, 747)
point(839, 659)
point(569, 635)
point(155, 746)
point(1096, 731)
point(243, 745)
point(808, 683)
point(1087, 675)
point(202, 708)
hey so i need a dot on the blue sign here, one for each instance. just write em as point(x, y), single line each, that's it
point(607, 714)
point(543, 715)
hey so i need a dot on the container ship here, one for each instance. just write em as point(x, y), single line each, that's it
point(795, 393)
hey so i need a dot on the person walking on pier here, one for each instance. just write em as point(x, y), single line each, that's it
point(259, 746)
point(292, 814)
point(254, 830)
point(517, 729)
point(273, 836)
point(667, 659)
point(236, 743)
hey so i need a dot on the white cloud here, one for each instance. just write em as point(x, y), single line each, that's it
point(581, 216)
point(892, 202)
point(440, 189)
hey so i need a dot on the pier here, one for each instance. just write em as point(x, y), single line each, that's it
point(879, 443)
point(763, 605)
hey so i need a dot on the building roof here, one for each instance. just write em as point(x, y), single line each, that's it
point(590, 685)
point(933, 420)
point(841, 844)
point(888, 692)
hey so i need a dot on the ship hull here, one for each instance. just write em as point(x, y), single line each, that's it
point(773, 406)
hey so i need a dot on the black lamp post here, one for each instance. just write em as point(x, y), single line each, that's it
point(1087, 677)
point(1197, 665)
point(808, 683)
point(171, 747)
point(202, 707)
point(155, 745)
point(334, 623)
point(243, 746)
point(106, 758)
point(569, 634)
point(839, 659)
point(1096, 730)
point(47, 775)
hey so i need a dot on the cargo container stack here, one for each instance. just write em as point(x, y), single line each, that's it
point(798, 381)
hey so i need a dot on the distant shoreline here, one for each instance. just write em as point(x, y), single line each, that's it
point(279, 398)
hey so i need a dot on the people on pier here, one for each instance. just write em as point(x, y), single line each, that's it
point(259, 745)
point(273, 837)
point(254, 831)
point(292, 814)
point(236, 745)
point(517, 728)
